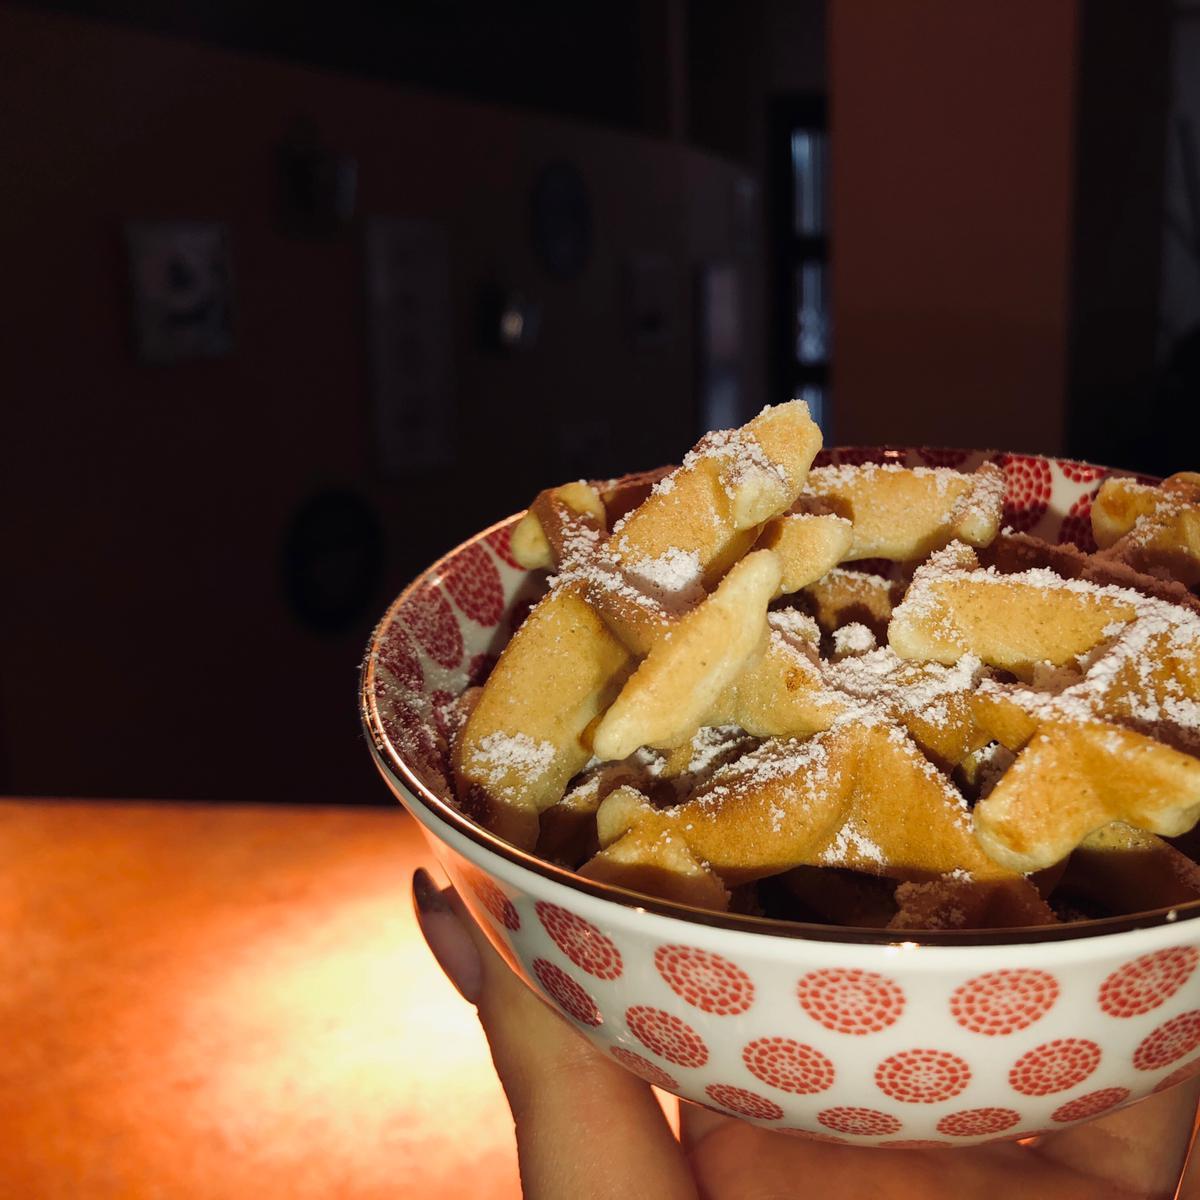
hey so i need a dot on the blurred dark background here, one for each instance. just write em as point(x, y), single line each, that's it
point(296, 298)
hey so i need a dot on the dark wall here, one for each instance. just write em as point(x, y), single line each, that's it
point(150, 649)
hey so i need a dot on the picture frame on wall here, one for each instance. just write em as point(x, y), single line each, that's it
point(181, 277)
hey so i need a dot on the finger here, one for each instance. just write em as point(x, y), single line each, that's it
point(1141, 1148)
point(586, 1128)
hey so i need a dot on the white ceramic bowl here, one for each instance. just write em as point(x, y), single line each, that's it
point(840, 1034)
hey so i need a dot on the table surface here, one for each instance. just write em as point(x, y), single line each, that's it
point(225, 1002)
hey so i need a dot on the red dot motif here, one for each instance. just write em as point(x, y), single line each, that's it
point(976, 1122)
point(1028, 483)
point(1169, 1042)
point(1077, 525)
point(428, 614)
point(644, 1068)
point(1079, 472)
point(399, 655)
point(744, 1103)
point(474, 584)
point(922, 1076)
point(1090, 1105)
point(412, 738)
point(1054, 1066)
point(789, 1065)
point(500, 541)
point(495, 901)
point(1147, 982)
point(667, 1035)
point(850, 1001)
point(580, 940)
point(1002, 1002)
point(860, 1122)
point(705, 980)
point(566, 993)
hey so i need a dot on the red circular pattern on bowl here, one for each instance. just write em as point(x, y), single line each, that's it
point(917, 1144)
point(667, 1035)
point(850, 1001)
point(494, 900)
point(413, 738)
point(1187, 1071)
point(744, 1103)
point(474, 585)
point(922, 1076)
point(1054, 1066)
point(399, 655)
point(859, 1122)
point(1077, 526)
point(705, 980)
point(789, 1065)
point(440, 705)
point(975, 1122)
point(500, 541)
point(433, 623)
point(1090, 1105)
point(1001, 1002)
point(1169, 1042)
point(1079, 472)
point(643, 1067)
point(580, 941)
point(566, 993)
point(1147, 982)
point(1028, 485)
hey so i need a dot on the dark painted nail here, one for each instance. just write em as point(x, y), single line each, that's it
point(447, 937)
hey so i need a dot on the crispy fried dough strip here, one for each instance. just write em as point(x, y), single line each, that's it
point(637, 856)
point(1008, 621)
point(1072, 779)
point(665, 700)
point(841, 597)
point(524, 739)
point(1153, 529)
point(809, 545)
point(859, 796)
point(904, 513)
point(705, 516)
point(544, 536)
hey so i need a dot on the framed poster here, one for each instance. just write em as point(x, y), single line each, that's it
point(182, 283)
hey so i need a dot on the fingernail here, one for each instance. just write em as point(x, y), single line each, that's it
point(445, 936)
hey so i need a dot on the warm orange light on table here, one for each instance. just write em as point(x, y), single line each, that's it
point(223, 1002)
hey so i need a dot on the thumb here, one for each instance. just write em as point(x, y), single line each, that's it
point(586, 1128)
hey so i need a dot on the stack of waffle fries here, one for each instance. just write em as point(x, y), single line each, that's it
point(708, 705)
